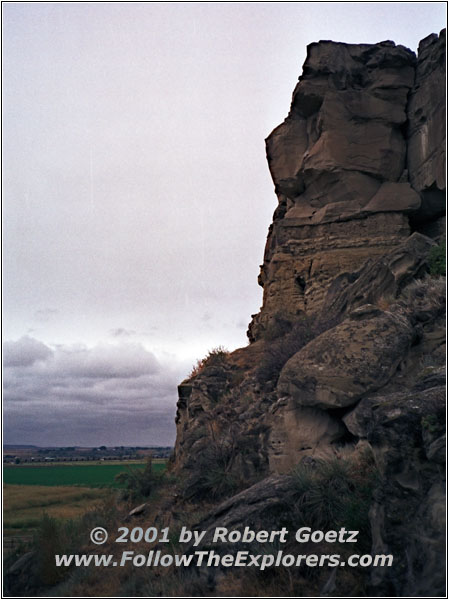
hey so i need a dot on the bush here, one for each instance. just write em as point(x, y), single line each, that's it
point(278, 352)
point(49, 541)
point(219, 468)
point(437, 259)
point(216, 356)
point(54, 536)
point(139, 483)
point(333, 494)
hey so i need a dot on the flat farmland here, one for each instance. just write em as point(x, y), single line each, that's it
point(72, 474)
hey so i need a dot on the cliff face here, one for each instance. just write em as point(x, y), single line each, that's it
point(347, 351)
point(358, 168)
point(361, 151)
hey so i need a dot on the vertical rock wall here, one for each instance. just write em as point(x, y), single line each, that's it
point(357, 164)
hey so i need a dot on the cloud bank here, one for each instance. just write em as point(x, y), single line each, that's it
point(112, 394)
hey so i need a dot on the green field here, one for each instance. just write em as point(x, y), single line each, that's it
point(92, 475)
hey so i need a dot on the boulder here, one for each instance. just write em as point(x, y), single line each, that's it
point(342, 364)
point(259, 507)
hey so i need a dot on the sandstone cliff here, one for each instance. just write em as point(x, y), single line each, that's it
point(357, 164)
point(345, 355)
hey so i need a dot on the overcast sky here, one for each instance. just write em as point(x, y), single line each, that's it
point(137, 197)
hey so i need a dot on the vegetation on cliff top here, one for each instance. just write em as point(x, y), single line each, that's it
point(214, 357)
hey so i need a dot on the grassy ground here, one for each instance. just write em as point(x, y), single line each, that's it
point(66, 474)
point(24, 505)
point(61, 490)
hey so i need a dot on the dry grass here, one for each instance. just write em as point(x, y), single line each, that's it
point(24, 505)
point(166, 510)
point(425, 299)
point(132, 581)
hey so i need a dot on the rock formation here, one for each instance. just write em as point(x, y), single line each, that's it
point(346, 351)
point(362, 118)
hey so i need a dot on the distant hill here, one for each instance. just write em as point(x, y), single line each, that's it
point(18, 446)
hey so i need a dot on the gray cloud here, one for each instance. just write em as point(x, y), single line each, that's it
point(137, 194)
point(105, 361)
point(111, 393)
point(24, 352)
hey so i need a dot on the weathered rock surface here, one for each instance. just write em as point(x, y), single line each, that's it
point(341, 365)
point(344, 364)
point(382, 278)
point(304, 260)
point(297, 431)
point(345, 115)
point(347, 351)
point(256, 506)
point(337, 163)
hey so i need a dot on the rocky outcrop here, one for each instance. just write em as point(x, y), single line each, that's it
point(357, 164)
point(346, 352)
point(303, 261)
point(369, 350)
point(337, 163)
